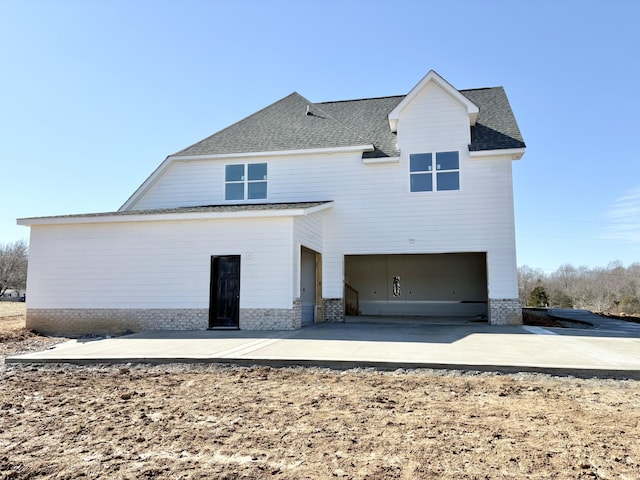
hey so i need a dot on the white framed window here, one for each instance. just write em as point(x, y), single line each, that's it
point(429, 172)
point(245, 181)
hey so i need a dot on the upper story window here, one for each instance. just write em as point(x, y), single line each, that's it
point(245, 181)
point(434, 172)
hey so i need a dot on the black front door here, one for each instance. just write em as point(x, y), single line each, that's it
point(224, 306)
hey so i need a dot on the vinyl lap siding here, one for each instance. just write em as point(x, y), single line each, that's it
point(156, 264)
point(186, 184)
point(307, 232)
point(433, 118)
point(373, 210)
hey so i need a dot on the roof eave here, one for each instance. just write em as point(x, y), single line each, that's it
point(162, 217)
point(509, 153)
point(276, 153)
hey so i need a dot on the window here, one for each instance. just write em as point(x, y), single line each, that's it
point(446, 168)
point(421, 167)
point(245, 182)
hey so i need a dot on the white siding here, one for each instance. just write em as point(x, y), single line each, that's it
point(373, 212)
point(157, 264)
point(307, 232)
point(434, 118)
point(186, 184)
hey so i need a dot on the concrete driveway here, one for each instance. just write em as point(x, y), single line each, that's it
point(460, 345)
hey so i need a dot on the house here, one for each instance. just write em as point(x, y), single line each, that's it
point(13, 295)
point(398, 205)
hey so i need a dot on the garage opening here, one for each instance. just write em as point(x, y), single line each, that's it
point(449, 284)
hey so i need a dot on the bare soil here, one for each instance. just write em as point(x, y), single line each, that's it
point(541, 318)
point(15, 338)
point(228, 422)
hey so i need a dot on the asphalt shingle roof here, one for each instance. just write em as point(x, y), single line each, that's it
point(368, 115)
point(285, 125)
point(496, 127)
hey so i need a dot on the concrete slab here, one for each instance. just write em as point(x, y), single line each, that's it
point(411, 345)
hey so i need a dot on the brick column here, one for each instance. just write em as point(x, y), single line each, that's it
point(505, 311)
point(333, 309)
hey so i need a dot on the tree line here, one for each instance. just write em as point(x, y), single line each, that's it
point(13, 266)
point(614, 288)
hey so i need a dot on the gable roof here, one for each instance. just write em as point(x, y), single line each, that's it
point(292, 123)
point(496, 127)
point(368, 115)
point(433, 77)
point(295, 123)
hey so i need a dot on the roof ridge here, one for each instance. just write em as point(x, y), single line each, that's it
point(479, 88)
point(362, 99)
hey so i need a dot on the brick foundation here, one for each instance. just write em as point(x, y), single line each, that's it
point(333, 309)
point(107, 321)
point(271, 318)
point(83, 321)
point(505, 311)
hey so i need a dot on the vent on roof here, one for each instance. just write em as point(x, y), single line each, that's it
point(309, 110)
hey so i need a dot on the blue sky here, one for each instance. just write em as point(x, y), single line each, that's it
point(95, 94)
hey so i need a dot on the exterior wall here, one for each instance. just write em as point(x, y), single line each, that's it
point(433, 118)
point(307, 232)
point(157, 265)
point(186, 184)
point(374, 212)
point(271, 318)
point(165, 266)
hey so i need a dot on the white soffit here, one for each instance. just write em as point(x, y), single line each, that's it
point(510, 153)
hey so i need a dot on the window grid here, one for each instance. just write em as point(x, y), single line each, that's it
point(445, 165)
point(246, 181)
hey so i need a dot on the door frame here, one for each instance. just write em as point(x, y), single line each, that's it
point(213, 294)
point(318, 310)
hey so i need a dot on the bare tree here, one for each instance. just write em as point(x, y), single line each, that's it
point(528, 279)
point(13, 266)
point(612, 288)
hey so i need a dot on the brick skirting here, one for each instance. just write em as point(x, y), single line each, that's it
point(271, 318)
point(107, 321)
point(114, 321)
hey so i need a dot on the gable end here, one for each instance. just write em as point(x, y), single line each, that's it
point(433, 77)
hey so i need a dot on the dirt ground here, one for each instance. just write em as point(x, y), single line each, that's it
point(221, 421)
